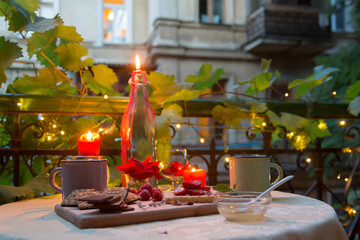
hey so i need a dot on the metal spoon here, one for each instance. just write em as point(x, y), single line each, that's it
point(281, 182)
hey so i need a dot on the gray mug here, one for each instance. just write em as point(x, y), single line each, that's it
point(82, 172)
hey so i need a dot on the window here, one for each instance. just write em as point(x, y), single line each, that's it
point(117, 21)
point(48, 8)
point(341, 18)
point(210, 11)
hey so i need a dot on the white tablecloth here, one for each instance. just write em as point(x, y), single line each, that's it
point(289, 216)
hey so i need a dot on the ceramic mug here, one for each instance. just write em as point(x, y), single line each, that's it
point(81, 172)
point(252, 172)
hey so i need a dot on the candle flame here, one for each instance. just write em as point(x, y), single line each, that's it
point(193, 169)
point(137, 62)
point(88, 136)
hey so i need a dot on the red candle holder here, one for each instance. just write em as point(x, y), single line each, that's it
point(195, 174)
point(89, 144)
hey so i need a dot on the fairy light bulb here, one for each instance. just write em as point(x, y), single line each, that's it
point(106, 96)
point(178, 126)
point(333, 93)
point(19, 104)
point(286, 94)
point(346, 179)
point(264, 124)
point(202, 140)
point(338, 176)
point(342, 123)
point(227, 159)
point(62, 132)
point(308, 160)
point(49, 138)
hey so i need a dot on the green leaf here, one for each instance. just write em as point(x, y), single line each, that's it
point(19, 18)
point(9, 51)
point(70, 55)
point(42, 24)
point(183, 94)
point(315, 130)
point(48, 82)
point(265, 65)
point(5, 6)
point(259, 83)
point(46, 43)
point(68, 33)
point(292, 121)
point(163, 152)
point(87, 62)
point(257, 107)
point(222, 188)
point(162, 86)
point(354, 106)
point(353, 90)
point(103, 81)
point(205, 80)
point(273, 117)
point(319, 76)
point(228, 115)
point(172, 111)
point(30, 5)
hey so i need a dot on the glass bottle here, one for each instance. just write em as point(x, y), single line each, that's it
point(138, 124)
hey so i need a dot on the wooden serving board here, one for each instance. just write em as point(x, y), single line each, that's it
point(93, 218)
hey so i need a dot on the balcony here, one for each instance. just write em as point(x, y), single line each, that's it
point(287, 30)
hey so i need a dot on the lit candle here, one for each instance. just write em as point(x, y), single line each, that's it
point(195, 174)
point(89, 144)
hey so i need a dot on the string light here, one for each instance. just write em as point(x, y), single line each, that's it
point(347, 150)
point(202, 140)
point(178, 126)
point(308, 160)
point(101, 129)
point(346, 179)
point(338, 176)
point(291, 134)
point(342, 123)
point(286, 94)
point(161, 165)
point(49, 138)
point(334, 93)
point(264, 124)
point(54, 125)
point(19, 104)
point(227, 159)
point(106, 96)
point(62, 132)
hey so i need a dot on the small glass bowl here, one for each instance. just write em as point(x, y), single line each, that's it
point(236, 206)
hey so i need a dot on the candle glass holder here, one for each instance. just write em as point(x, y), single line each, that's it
point(174, 171)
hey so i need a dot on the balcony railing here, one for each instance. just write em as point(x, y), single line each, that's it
point(283, 29)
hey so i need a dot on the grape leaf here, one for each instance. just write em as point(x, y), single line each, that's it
point(19, 18)
point(48, 82)
point(30, 5)
point(292, 121)
point(273, 117)
point(183, 94)
point(5, 6)
point(70, 55)
point(205, 80)
point(315, 131)
point(162, 86)
point(259, 83)
point(9, 51)
point(265, 65)
point(228, 115)
point(68, 33)
point(257, 107)
point(353, 90)
point(163, 153)
point(103, 81)
point(42, 24)
point(87, 62)
point(173, 111)
point(46, 43)
point(354, 106)
point(319, 76)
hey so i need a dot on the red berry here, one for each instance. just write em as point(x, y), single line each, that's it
point(157, 194)
point(192, 184)
point(180, 191)
point(148, 187)
point(133, 191)
point(145, 195)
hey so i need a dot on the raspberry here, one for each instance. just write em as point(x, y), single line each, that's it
point(157, 194)
point(132, 191)
point(145, 195)
point(148, 187)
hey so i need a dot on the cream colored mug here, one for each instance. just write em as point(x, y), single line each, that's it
point(252, 172)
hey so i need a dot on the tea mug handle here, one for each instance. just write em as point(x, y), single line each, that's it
point(279, 170)
point(52, 179)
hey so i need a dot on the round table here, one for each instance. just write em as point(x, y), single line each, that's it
point(289, 216)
